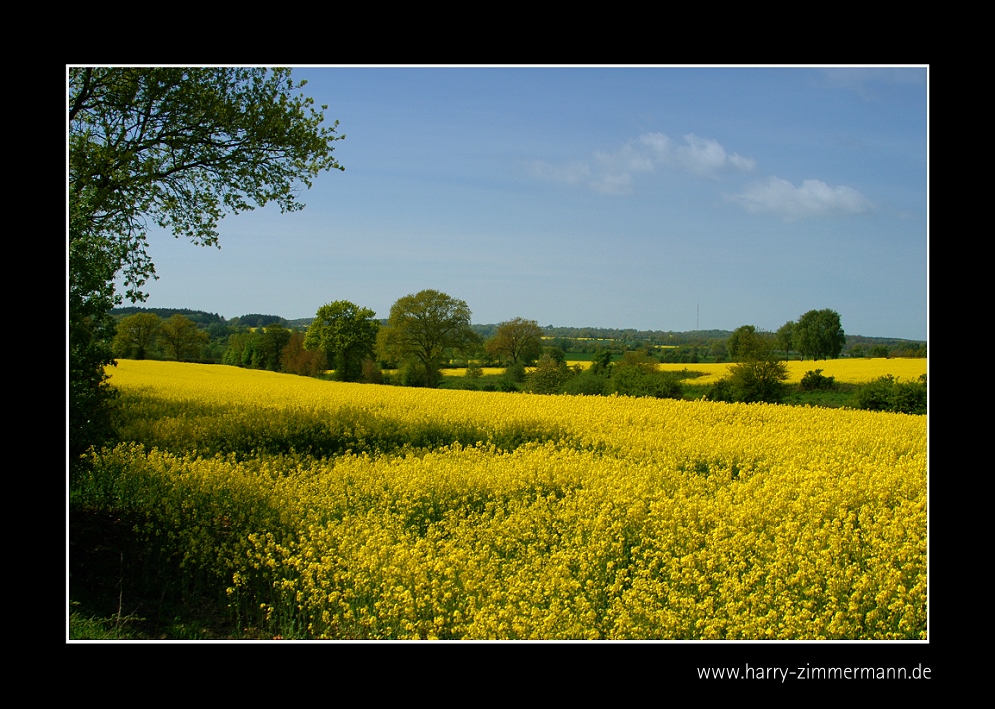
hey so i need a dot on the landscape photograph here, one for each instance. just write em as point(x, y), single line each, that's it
point(503, 354)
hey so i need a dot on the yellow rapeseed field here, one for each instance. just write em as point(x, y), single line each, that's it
point(526, 516)
point(848, 371)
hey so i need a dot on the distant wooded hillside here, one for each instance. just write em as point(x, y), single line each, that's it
point(622, 335)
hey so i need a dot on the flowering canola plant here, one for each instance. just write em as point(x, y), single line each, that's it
point(463, 514)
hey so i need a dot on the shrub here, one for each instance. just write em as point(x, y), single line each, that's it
point(372, 373)
point(815, 381)
point(721, 391)
point(909, 397)
point(588, 382)
point(759, 380)
point(549, 376)
point(889, 394)
point(411, 374)
point(635, 381)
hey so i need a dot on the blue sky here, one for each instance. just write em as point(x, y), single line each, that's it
point(656, 198)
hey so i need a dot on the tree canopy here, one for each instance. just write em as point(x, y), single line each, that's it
point(136, 334)
point(182, 147)
point(819, 334)
point(182, 337)
point(786, 337)
point(176, 147)
point(742, 342)
point(420, 330)
point(518, 340)
point(347, 333)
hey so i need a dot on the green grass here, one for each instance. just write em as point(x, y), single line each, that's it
point(87, 627)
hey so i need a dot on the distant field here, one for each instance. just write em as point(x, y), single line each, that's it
point(462, 372)
point(846, 371)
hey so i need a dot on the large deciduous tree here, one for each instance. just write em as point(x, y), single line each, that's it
point(179, 148)
point(136, 334)
point(347, 333)
point(422, 328)
point(742, 342)
point(819, 334)
point(182, 337)
point(518, 340)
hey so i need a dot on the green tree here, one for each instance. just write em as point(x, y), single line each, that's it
point(91, 329)
point(718, 351)
point(819, 334)
point(517, 340)
point(180, 148)
point(420, 331)
point(601, 362)
point(269, 347)
point(238, 345)
point(786, 337)
point(182, 337)
point(759, 375)
point(741, 342)
point(347, 334)
point(136, 334)
point(548, 377)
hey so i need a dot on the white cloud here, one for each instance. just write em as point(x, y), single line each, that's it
point(741, 163)
point(813, 199)
point(658, 144)
point(611, 172)
point(706, 158)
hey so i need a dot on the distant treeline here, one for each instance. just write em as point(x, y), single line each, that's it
point(621, 338)
point(198, 316)
point(656, 337)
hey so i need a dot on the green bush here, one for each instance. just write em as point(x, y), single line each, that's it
point(635, 381)
point(411, 374)
point(889, 394)
point(721, 391)
point(760, 380)
point(588, 383)
point(548, 377)
point(815, 381)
